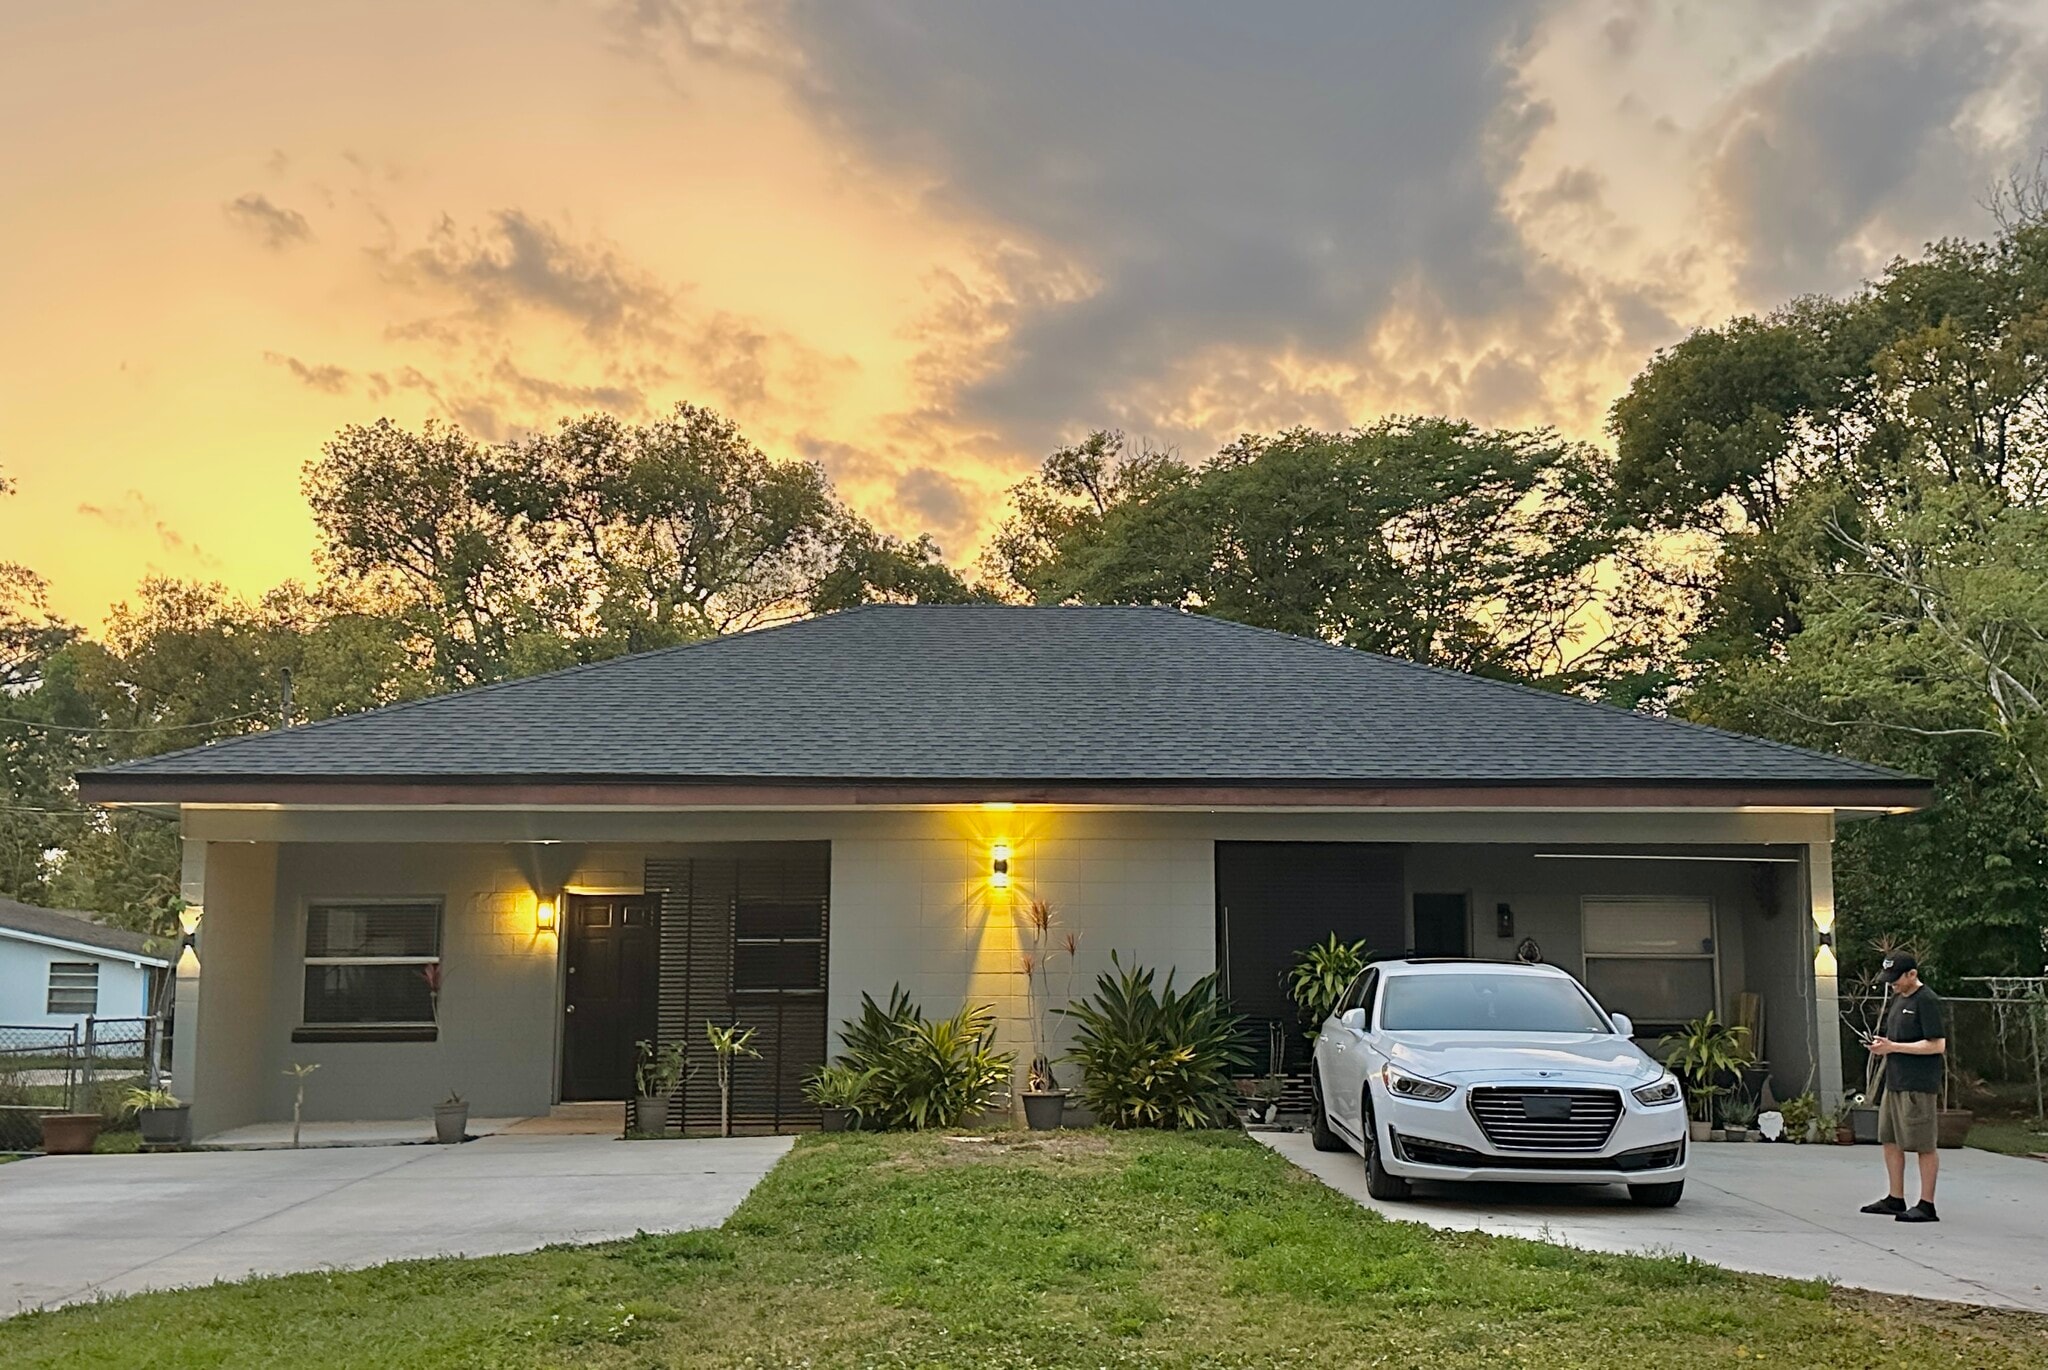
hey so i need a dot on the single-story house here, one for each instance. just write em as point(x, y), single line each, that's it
point(500, 891)
point(58, 967)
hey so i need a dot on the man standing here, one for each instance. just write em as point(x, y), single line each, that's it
point(1912, 1045)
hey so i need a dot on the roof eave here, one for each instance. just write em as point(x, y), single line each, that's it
point(1875, 794)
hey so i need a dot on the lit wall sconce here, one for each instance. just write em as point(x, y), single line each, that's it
point(544, 916)
point(188, 919)
point(999, 866)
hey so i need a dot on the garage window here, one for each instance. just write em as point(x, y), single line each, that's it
point(1653, 958)
point(74, 987)
point(372, 964)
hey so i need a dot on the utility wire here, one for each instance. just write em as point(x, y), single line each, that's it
point(157, 728)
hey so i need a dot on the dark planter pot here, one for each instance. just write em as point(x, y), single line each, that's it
point(1952, 1127)
point(70, 1134)
point(1044, 1112)
point(165, 1126)
point(835, 1119)
point(451, 1121)
point(1863, 1122)
point(650, 1114)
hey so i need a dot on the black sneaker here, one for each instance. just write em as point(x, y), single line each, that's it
point(1922, 1212)
point(1890, 1206)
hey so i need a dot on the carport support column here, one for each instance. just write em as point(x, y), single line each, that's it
point(185, 1040)
point(1827, 1007)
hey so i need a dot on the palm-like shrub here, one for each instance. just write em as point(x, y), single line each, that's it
point(1320, 976)
point(1156, 1058)
point(918, 1072)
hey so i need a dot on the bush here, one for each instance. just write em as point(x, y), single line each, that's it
point(1320, 976)
point(921, 1073)
point(1156, 1058)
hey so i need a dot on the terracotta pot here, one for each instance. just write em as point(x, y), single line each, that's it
point(1044, 1112)
point(1845, 1135)
point(165, 1126)
point(70, 1134)
point(1952, 1127)
point(451, 1121)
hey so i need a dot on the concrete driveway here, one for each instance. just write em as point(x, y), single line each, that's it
point(1776, 1210)
point(76, 1227)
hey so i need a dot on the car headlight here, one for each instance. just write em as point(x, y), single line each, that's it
point(1662, 1091)
point(1406, 1086)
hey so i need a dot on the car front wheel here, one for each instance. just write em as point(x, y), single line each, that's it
point(1380, 1182)
point(1656, 1195)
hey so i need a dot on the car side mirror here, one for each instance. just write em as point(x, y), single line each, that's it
point(1623, 1026)
point(1353, 1018)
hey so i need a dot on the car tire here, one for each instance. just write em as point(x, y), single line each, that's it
point(1321, 1135)
point(1380, 1182)
point(1656, 1195)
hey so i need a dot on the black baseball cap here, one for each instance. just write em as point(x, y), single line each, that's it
point(1897, 964)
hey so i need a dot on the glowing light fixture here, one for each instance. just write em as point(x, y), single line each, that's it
point(999, 866)
point(188, 918)
point(544, 916)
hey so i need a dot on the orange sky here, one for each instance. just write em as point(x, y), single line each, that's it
point(915, 243)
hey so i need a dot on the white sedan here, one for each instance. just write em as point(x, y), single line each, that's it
point(1482, 1070)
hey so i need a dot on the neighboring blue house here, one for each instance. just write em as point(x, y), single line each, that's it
point(57, 967)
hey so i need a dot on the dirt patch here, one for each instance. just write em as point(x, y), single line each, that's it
point(1004, 1148)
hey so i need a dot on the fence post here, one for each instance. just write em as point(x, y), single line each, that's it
point(91, 1059)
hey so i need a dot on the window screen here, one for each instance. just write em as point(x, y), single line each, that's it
point(778, 944)
point(74, 987)
point(372, 963)
point(1653, 958)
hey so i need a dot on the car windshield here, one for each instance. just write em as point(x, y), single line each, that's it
point(1486, 1003)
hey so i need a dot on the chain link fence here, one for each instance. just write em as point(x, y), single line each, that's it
point(1997, 1045)
point(88, 1068)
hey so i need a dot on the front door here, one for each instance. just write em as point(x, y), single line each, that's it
point(1441, 921)
point(614, 962)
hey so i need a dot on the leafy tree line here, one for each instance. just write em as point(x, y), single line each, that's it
point(1826, 524)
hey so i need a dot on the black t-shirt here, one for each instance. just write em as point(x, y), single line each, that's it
point(1916, 1017)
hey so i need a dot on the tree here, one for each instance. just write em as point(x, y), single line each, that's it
point(1426, 538)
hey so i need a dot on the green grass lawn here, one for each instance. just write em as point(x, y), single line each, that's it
point(1088, 1249)
point(2021, 1138)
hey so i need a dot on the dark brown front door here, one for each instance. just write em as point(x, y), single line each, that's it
point(614, 966)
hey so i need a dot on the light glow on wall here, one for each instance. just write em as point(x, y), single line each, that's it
point(544, 915)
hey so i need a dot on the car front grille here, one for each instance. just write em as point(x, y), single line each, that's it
point(1546, 1117)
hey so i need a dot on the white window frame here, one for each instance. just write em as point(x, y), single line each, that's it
point(312, 906)
point(1586, 958)
point(90, 972)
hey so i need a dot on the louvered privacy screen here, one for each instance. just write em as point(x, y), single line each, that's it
point(743, 941)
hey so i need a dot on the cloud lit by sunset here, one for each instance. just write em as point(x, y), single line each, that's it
point(920, 244)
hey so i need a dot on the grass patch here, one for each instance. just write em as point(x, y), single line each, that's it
point(2010, 1138)
point(1088, 1249)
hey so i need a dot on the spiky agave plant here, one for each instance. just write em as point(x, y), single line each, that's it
point(1156, 1057)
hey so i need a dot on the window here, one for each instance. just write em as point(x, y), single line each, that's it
point(1652, 958)
point(1354, 993)
point(375, 964)
point(74, 987)
point(778, 944)
point(1487, 1002)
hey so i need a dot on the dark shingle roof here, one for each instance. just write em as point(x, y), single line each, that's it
point(69, 925)
point(993, 692)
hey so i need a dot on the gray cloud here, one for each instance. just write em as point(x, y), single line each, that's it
point(273, 225)
point(133, 512)
point(1867, 129)
point(322, 376)
point(520, 262)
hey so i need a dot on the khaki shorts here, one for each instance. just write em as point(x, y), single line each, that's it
point(1906, 1120)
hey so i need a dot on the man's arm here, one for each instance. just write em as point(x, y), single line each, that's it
point(1885, 1046)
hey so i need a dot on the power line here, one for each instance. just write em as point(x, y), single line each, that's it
point(157, 728)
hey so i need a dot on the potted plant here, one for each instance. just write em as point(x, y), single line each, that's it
point(656, 1078)
point(1703, 1054)
point(1263, 1094)
point(840, 1092)
point(451, 1119)
point(1837, 1126)
point(70, 1134)
point(164, 1119)
point(1320, 976)
point(1951, 1125)
point(1045, 1102)
point(1799, 1114)
point(1740, 1115)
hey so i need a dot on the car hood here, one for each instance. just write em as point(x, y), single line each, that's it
point(1473, 1057)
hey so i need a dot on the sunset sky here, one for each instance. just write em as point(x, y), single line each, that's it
point(920, 243)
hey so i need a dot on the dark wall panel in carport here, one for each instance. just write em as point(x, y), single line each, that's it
point(1275, 898)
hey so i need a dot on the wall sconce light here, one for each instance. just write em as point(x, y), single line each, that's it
point(544, 916)
point(1503, 921)
point(999, 866)
point(188, 918)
